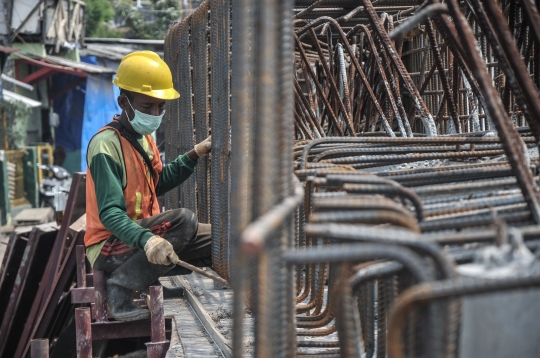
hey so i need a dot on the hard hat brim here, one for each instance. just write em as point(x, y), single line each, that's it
point(166, 94)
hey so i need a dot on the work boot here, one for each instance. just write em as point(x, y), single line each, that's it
point(135, 274)
point(170, 292)
point(121, 305)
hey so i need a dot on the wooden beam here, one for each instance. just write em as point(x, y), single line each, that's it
point(55, 68)
point(39, 75)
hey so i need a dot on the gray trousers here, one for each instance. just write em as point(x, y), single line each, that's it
point(129, 267)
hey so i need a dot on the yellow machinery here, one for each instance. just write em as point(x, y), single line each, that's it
point(45, 157)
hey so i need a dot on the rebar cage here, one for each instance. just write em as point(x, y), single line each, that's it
point(361, 153)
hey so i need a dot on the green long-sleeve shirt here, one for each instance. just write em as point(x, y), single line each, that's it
point(106, 163)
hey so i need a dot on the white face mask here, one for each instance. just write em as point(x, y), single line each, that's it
point(143, 123)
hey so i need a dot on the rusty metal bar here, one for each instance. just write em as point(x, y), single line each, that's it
point(156, 309)
point(220, 123)
point(201, 272)
point(99, 297)
point(81, 269)
point(418, 18)
point(507, 132)
point(241, 169)
point(83, 326)
point(424, 293)
point(255, 235)
point(39, 348)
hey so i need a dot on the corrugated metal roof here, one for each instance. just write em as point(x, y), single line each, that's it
point(111, 51)
point(88, 40)
point(115, 53)
point(63, 62)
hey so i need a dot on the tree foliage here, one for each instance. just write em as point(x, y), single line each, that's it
point(150, 22)
point(98, 14)
point(16, 115)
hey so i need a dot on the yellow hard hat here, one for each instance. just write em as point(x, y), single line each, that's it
point(145, 72)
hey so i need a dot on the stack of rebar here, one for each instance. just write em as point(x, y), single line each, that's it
point(364, 156)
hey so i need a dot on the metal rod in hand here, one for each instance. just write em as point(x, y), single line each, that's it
point(201, 271)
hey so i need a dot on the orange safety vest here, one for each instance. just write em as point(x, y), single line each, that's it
point(139, 193)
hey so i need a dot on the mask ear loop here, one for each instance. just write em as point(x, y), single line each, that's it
point(131, 108)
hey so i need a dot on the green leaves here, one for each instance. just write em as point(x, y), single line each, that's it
point(16, 116)
point(98, 13)
point(151, 22)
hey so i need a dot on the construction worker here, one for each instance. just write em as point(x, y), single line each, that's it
point(127, 236)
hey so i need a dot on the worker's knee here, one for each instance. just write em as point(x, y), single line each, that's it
point(178, 226)
point(187, 220)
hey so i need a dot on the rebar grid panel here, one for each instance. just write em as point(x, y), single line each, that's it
point(200, 60)
point(200, 40)
point(220, 123)
point(185, 110)
point(272, 296)
point(171, 114)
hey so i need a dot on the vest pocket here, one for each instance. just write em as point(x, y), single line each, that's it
point(138, 201)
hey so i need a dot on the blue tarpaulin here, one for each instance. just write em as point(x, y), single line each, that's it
point(99, 108)
point(70, 109)
point(83, 111)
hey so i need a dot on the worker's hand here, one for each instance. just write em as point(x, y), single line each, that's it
point(159, 251)
point(203, 148)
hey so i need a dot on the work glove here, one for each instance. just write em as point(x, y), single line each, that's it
point(159, 251)
point(203, 148)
